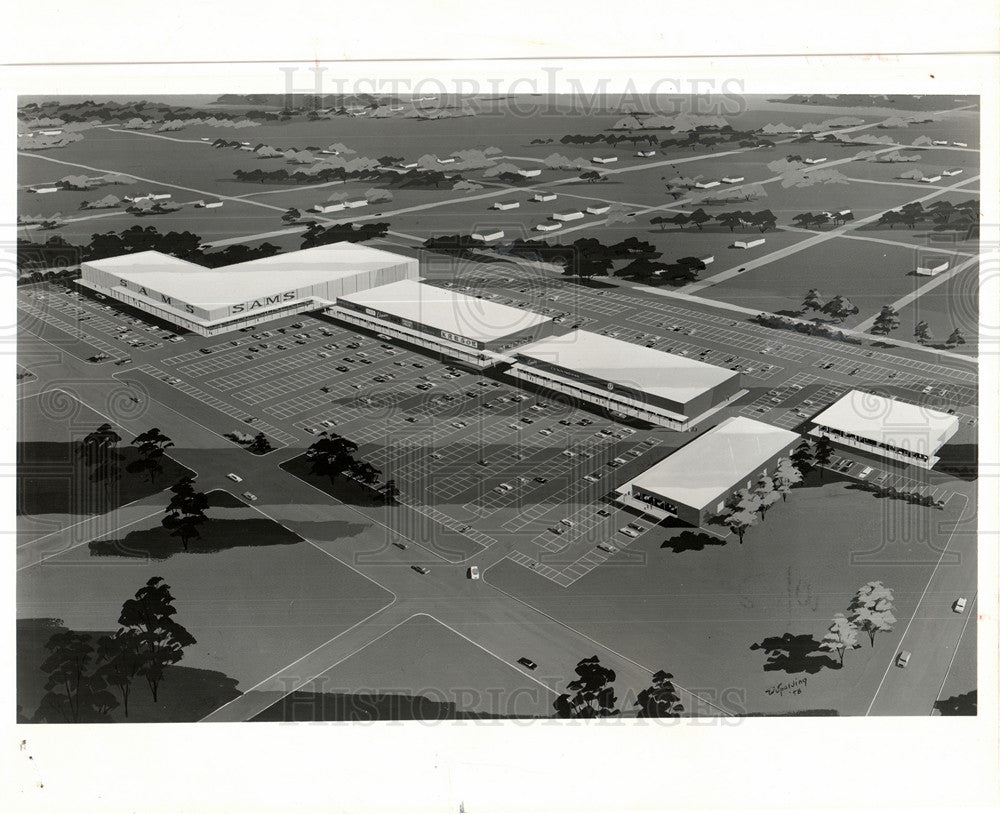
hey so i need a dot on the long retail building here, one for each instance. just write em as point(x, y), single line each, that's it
point(213, 301)
point(472, 330)
point(692, 483)
point(891, 429)
point(634, 381)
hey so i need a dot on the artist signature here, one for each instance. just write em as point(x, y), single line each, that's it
point(790, 687)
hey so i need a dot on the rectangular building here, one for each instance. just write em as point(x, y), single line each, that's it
point(885, 427)
point(749, 244)
point(544, 196)
point(625, 379)
point(604, 159)
point(567, 214)
point(549, 226)
point(214, 301)
point(488, 235)
point(932, 267)
point(337, 206)
point(472, 330)
point(506, 204)
point(598, 208)
point(529, 173)
point(694, 482)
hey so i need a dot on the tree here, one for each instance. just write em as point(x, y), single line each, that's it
point(955, 338)
point(152, 446)
point(740, 521)
point(367, 473)
point(330, 455)
point(185, 512)
point(593, 696)
point(99, 450)
point(823, 454)
point(291, 215)
point(922, 332)
point(812, 301)
point(886, 321)
point(840, 308)
point(840, 637)
point(161, 640)
point(698, 218)
point(661, 699)
point(786, 475)
point(260, 444)
point(591, 176)
point(120, 659)
point(804, 456)
point(69, 655)
point(766, 495)
point(871, 609)
point(389, 491)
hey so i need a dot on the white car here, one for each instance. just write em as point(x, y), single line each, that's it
point(250, 496)
point(234, 478)
point(864, 473)
point(473, 572)
point(566, 522)
point(628, 532)
point(959, 606)
point(611, 549)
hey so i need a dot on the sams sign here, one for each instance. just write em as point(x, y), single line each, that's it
point(263, 302)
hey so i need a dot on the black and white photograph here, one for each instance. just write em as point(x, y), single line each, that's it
point(408, 403)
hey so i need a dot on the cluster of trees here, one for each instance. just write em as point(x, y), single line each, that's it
point(647, 269)
point(869, 611)
point(49, 275)
point(840, 308)
point(323, 176)
point(258, 444)
point(816, 220)
point(809, 456)
point(813, 329)
point(98, 450)
point(425, 179)
point(87, 679)
point(592, 694)
point(892, 493)
point(886, 321)
point(317, 235)
point(761, 221)
point(943, 215)
point(332, 455)
point(923, 334)
point(746, 508)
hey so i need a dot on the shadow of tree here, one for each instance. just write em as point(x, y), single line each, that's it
point(691, 541)
point(794, 654)
point(303, 706)
point(964, 704)
point(959, 460)
point(215, 536)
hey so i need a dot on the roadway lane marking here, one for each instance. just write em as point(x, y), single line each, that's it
point(913, 615)
point(970, 612)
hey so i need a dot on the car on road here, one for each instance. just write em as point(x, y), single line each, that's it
point(903, 658)
point(611, 549)
point(250, 496)
point(525, 662)
point(420, 569)
point(541, 480)
point(399, 544)
point(473, 572)
point(959, 606)
point(234, 477)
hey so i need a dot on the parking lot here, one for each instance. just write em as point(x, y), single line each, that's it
point(480, 454)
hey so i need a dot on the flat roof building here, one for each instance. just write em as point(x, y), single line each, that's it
point(214, 301)
point(604, 159)
point(486, 235)
point(549, 226)
point(952, 172)
point(705, 184)
point(885, 427)
point(332, 206)
point(930, 179)
point(529, 173)
point(694, 481)
point(476, 331)
point(598, 208)
point(931, 267)
point(651, 385)
point(732, 179)
point(749, 244)
point(544, 196)
point(506, 204)
point(567, 214)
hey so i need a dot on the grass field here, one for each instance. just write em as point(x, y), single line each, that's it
point(869, 274)
point(420, 670)
point(255, 596)
point(708, 611)
point(55, 486)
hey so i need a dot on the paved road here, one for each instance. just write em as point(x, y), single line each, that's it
point(505, 627)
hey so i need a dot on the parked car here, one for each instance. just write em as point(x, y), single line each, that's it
point(903, 658)
point(250, 496)
point(864, 473)
point(959, 606)
point(420, 569)
point(527, 663)
point(628, 532)
point(234, 478)
point(473, 572)
point(611, 549)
